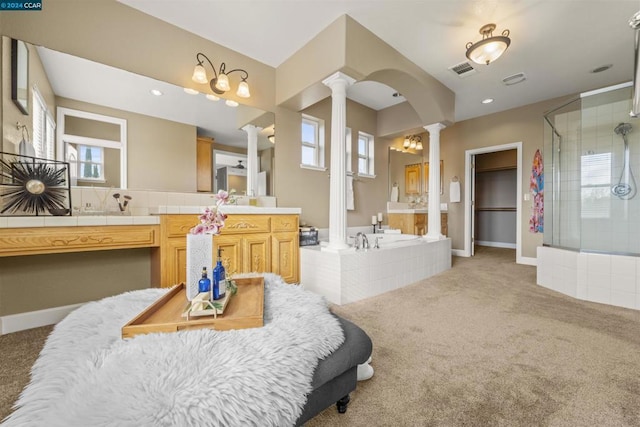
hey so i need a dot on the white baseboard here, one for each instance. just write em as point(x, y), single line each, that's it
point(496, 244)
point(527, 260)
point(34, 319)
point(459, 252)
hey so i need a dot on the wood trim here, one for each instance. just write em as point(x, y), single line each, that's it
point(53, 240)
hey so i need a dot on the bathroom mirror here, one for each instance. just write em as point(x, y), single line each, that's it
point(162, 127)
point(401, 162)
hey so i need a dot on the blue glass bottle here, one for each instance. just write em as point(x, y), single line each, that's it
point(219, 279)
point(204, 284)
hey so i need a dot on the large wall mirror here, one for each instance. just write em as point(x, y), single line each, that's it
point(406, 174)
point(162, 124)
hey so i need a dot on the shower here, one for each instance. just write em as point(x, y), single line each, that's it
point(624, 189)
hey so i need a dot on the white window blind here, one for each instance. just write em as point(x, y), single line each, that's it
point(595, 177)
point(43, 128)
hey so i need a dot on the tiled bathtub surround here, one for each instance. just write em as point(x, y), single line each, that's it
point(348, 276)
point(602, 278)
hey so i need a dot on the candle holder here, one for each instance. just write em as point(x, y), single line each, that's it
point(379, 225)
point(374, 228)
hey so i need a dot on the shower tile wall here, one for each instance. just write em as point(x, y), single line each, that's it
point(591, 132)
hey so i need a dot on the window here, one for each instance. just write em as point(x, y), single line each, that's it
point(596, 185)
point(95, 147)
point(90, 163)
point(349, 150)
point(43, 128)
point(312, 142)
point(365, 155)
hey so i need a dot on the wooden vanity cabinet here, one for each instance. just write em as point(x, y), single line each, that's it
point(416, 223)
point(250, 243)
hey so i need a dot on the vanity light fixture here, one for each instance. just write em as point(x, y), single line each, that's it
point(490, 47)
point(413, 142)
point(220, 82)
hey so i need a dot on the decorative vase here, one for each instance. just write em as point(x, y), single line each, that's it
point(199, 254)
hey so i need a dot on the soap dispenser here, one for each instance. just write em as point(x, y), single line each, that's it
point(219, 287)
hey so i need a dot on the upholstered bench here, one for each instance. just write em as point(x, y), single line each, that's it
point(336, 375)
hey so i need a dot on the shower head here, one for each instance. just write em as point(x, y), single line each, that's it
point(623, 129)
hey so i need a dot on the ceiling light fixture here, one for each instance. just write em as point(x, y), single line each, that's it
point(413, 142)
point(220, 82)
point(490, 47)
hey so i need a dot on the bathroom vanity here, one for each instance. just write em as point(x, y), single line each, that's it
point(414, 221)
point(254, 239)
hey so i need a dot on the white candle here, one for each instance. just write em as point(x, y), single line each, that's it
point(379, 216)
point(373, 220)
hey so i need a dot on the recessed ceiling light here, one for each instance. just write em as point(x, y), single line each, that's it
point(191, 91)
point(212, 97)
point(487, 101)
point(601, 68)
point(231, 103)
point(155, 92)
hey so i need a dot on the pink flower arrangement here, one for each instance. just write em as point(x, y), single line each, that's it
point(212, 220)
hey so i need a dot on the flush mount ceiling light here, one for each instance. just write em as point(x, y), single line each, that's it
point(220, 82)
point(413, 142)
point(490, 47)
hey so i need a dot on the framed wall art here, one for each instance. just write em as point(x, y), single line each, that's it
point(20, 75)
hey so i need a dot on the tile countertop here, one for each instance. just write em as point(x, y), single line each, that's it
point(76, 221)
point(228, 209)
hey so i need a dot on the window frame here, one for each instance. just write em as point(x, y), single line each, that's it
point(317, 145)
point(368, 155)
point(43, 127)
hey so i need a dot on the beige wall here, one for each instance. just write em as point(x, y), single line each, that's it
point(37, 282)
point(161, 154)
point(112, 33)
point(309, 189)
point(522, 124)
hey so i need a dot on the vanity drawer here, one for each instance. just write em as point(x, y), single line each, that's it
point(178, 225)
point(244, 224)
point(47, 240)
point(281, 223)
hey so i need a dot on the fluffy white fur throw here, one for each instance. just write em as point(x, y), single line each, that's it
point(87, 375)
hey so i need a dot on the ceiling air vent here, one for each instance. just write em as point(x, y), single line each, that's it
point(514, 79)
point(463, 69)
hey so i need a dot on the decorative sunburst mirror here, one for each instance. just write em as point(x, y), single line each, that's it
point(33, 186)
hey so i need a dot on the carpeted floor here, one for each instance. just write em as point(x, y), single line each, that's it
point(478, 345)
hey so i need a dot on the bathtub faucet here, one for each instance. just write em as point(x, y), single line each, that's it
point(361, 237)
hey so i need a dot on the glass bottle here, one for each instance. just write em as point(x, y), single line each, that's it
point(204, 284)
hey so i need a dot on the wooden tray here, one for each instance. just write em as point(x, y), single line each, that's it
point(244, 310)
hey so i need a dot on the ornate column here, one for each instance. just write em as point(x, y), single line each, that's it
point(434, 225)
point(338, 83)
point(252, 159)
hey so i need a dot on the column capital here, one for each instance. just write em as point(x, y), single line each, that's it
point(251, 128)
point(436, 127)
point(338, 78)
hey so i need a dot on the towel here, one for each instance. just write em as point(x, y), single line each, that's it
point(394, 193)
point(454, 192)
point(26, 149)
point(350, 204)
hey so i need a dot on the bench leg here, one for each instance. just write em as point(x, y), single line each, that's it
point(342, 404)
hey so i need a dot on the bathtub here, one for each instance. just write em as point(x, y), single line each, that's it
point(351, 275)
